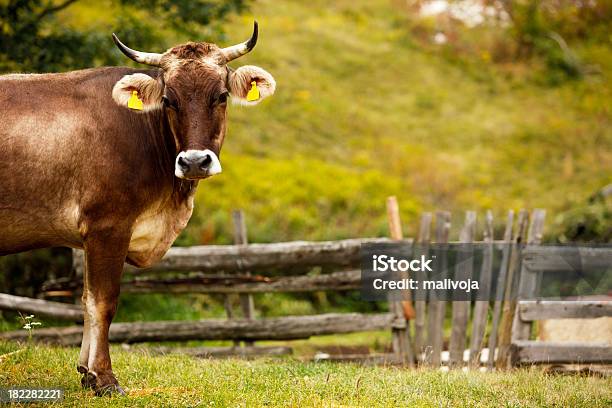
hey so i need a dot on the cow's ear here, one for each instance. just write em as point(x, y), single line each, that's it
point(240, 83)
point(148, 90)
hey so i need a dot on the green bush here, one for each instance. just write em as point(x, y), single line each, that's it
point(591, 222)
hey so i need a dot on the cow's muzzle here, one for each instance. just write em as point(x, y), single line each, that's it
point(196, 164)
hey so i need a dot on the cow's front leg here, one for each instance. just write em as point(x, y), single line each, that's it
point(84, 354)
point(105, 253)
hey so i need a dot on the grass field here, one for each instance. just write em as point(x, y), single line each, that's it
point(183, 381)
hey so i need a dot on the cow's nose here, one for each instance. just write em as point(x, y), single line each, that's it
point(205, 162)
point(197, 164)
point(183, 163)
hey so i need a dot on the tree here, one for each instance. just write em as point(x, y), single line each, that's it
point(33, 40)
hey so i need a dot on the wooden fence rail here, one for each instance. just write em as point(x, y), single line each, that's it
point(280, 328)
point(536, 262)
point(41, 307)
point(542, 352)
point(255, 257)
point(207, 283)
point(524, 351)
point(531, 310)
point(560, 258)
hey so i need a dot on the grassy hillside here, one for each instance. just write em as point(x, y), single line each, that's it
point(180, 381)
point(364, 110)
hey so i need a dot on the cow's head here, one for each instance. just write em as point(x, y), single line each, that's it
point(192, 91)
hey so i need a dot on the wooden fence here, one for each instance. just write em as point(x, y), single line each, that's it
point(539, 261)
point(417, 327)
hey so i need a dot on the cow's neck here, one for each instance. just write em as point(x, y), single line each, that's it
point(167, 211)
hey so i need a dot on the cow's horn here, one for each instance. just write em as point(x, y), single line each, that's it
point(149, 58)
point(238, 50)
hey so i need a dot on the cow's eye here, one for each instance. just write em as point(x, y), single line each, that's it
point(169, 103)
point(223, 97)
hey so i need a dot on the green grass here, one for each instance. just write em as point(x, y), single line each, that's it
point(182, 381)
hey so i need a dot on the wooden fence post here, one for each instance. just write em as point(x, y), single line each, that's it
point(240, 238)
point(481, 307)
point(501, 285)
point(509, 305)
point(461, 309)
point(420, 304)
point(437, 307)
point(402, 347)
point(528, 279)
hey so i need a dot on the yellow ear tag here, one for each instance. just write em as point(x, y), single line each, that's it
point(135, 102)
point(253, 94)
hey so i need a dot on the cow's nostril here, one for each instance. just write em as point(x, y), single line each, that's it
point(206, 162)
point(183, 163)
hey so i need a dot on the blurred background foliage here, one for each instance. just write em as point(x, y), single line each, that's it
point(48, 36)
point(451, 105)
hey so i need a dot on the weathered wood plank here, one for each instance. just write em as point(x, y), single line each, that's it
point(227, 305)
point(40, 307)
point(363, 359)
point(205, 352)
point(437, 308)
point(401, 339)
point(206, 283)
point(539, 352)
point(420, 305)
point(531, 310)
point(521, 330)
point(509, 305)
point(557, 258)
point(246, 299)
point(481, 307)
point(256, 257)
point(281, 328)
point(501, 287)
point(461, 309)
point(240, 238)
point(393, 219)
point(343, 280)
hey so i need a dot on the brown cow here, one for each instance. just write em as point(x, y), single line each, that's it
point(78, 168)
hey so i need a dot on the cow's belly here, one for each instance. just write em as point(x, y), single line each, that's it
point(28, 227)
point(154, 233)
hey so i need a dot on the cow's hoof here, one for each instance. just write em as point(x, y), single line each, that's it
point(88, 380)
point(109, 390)
point(82, 369)
point(104, 384)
